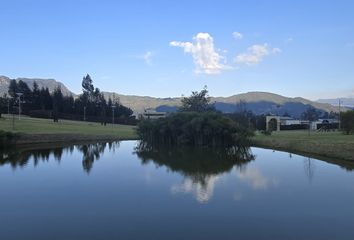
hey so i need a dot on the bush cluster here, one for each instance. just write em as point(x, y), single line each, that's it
point(347, 122)
point(194, 129)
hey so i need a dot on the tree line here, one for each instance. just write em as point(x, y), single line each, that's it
point(91, 105)
point(20, 157)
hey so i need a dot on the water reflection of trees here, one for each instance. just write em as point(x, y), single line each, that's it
point(200, 167)
point(17, 157)
point(20, 158)
point(90, 154)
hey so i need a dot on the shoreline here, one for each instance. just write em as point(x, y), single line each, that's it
point(30, 139)
point(335, 151)
point(330, 152)
point(344, 163)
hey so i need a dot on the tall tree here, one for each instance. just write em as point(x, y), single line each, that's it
point(87, 85)
point(2, 104)
point(68, 104)
point(46, 101)
point(23, 88)
point(57, 103)
point(197, 102)
point(36, 100)
point(25, 97)
point(13, 88)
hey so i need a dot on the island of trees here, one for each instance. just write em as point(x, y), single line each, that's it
point(197, 123)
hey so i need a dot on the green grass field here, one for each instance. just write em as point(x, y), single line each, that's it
point(328, 144)
point(331, 144)
point(303, 135)
point(36, 126)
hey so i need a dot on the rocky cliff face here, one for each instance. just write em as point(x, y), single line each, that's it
point(51, 84)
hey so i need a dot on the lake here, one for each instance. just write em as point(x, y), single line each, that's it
point(116, 191)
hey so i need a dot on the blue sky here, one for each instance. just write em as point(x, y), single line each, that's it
point(169, 48)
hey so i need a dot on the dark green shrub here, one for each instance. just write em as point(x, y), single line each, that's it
point(194, 129)
point(347, 122)
point(7, 138)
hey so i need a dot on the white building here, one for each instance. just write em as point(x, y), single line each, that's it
point(151, 114)
point(289, 121)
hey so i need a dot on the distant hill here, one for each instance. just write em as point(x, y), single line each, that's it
point(348, 102)
point(51, 84)
point(139, 103)
point(257, 102)
point(264, 102)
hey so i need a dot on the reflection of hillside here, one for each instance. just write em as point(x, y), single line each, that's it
point(17, 157)
point(199, 166)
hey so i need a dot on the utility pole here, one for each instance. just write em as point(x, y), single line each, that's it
point(8, 106)
point(113, 107)
point(19, 105)
point(13, 121)
point(84, 113)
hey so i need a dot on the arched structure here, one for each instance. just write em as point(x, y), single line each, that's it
point(273, 123)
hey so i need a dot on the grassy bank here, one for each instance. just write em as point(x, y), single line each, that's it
point(331, 144)
point(35, 130)
point(39, 131)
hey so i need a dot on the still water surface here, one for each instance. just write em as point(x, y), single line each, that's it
point(111, 191)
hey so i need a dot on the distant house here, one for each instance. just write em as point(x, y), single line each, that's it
point(151, 114)
point(325, 123)
point(287, 123)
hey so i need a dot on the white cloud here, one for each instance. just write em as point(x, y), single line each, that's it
point(203, 191)
point(206, 58)
point(256, 179)
point(276, 50)
point(237, 35)
point(148, 57)
point(289, 40)
point(255, 54)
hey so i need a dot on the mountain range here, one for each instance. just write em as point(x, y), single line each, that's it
point(51, 84)
point(346, 102)
point(257, 102)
